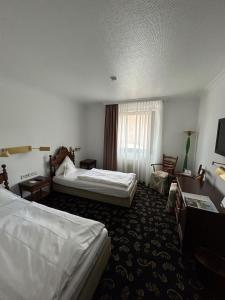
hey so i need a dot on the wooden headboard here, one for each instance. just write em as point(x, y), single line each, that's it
point(4, 177)
point(57, 159)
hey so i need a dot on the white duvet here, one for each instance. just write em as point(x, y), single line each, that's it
point(40, 248)
point(108, 177)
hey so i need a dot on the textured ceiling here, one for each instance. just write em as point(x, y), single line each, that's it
point(71, 47)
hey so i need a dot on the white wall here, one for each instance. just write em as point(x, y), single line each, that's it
point(29, 117)
point(94, 137)
point(212, 108)
point(180, 113)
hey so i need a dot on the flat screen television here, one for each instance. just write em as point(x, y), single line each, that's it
point(220, 140)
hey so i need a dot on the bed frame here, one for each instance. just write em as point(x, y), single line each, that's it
point(56, 160)
point(4, 177)
point(95, 274)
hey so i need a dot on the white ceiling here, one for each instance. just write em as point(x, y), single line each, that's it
point(71, 47)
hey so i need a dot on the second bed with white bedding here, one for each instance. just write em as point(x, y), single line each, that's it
point(110, 187)
point(72, 180)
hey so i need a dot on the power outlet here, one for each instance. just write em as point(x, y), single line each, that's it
point(25, 176)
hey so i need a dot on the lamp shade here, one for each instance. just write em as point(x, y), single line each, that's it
point(220, 171)
point(189, 132)
point(20, 149)
point(4, 153)
point(44, 148)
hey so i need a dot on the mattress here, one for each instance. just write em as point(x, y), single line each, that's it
point(101, 188)
point(78, 279)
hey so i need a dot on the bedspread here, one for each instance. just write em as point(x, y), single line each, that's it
point(108, 177)
point(40, 248)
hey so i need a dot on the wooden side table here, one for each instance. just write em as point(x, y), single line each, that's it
point(35, 186)
point(88, 164)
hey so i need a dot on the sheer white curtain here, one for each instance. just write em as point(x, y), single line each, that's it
point(139, 137)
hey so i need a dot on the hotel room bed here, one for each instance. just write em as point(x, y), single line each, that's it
point(46, 253)
point(103, 192)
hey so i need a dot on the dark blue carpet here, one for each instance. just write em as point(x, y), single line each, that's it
point(146, 261)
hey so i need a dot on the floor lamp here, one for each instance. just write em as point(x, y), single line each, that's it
point(187, 149)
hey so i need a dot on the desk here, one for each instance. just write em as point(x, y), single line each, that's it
point(197, 227)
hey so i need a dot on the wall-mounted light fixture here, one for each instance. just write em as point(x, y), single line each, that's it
point(6, 152)
point(220, 171)
point(76, 149)
point(42, 148)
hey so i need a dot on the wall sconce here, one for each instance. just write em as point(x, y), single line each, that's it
point(72, 152)
point(220, 171)
point(42, 148)
point(6, 152)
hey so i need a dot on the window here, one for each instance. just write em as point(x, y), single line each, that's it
point(139, 136)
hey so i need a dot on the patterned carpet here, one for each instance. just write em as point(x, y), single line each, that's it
point(146, 261)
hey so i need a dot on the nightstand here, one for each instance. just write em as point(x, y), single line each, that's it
point(39, 187)
point(88, 164)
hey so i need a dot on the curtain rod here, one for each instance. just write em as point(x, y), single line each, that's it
point(134, 100)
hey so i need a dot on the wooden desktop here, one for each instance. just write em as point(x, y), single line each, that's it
point(197, 227)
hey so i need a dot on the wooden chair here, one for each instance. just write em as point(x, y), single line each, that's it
point(199, 176)
point(168, 164)
point(160, 180)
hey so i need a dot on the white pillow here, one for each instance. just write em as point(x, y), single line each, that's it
point(67, 167)
point(61, 168)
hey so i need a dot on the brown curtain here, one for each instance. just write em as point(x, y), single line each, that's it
point(110, 137)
